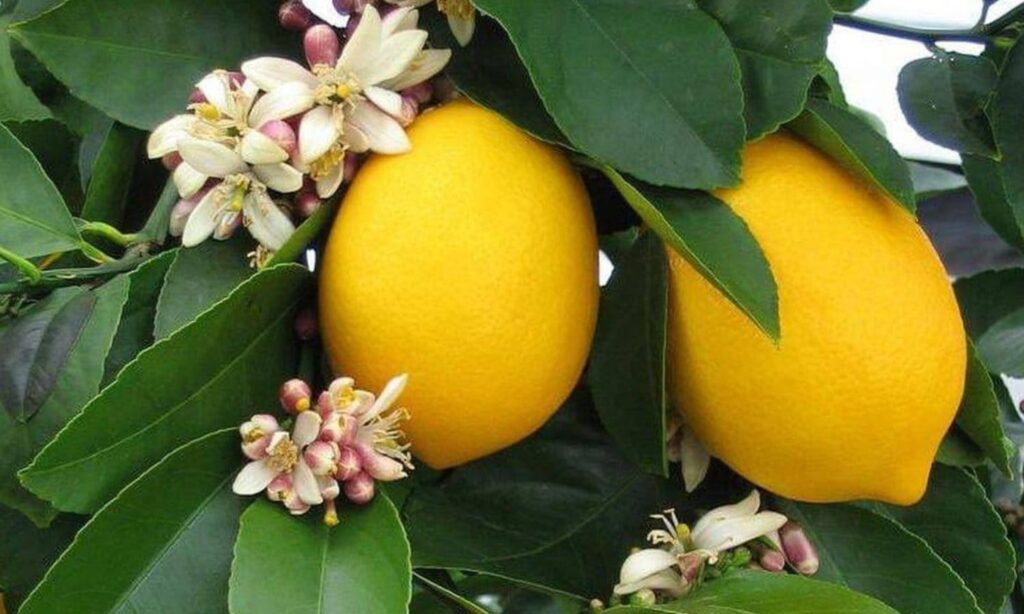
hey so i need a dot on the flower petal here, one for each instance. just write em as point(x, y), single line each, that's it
point(307, 427)
point(746, 507)
point(388, 396)
point(272, 228)
point(270, 73)
point(398, 20)
point(164, 139)
point(695, 459)
point(253, 478)
point(462, 29)
point(383, 133)
point(317, 134)
point(306, 486)
point(642, 565)
point(425, 65)
point(288, 100)
point(396, 53)
point(217, 90)
point(329, 184)
point(354, 138)
point(211, 158)
point(388, 101)
point(364, 44)
point(188, 180)
point(258, 148)
point(379, 466)
point(737, 531)
point(280, 177)
point(203, 219)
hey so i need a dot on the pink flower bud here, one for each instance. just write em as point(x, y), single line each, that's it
point(282, 134)
point(689, 566)
point(306, 325)
point(352, 164)
point(329, 488)
point(324, 406)
point(236, 79)
point(171, 161)
point(379, 466)
point(800, 552)
point(771, 560)
point(410, 109)
point(322, 45)
point(349, 464)
point(279, 488)
point(179, 215)
point(295, 396)
point(229, 222)
point(421, 92)
point(294, 16)
point(360, 489)
point(339, 428)
point(306, 204)
point(322, 457)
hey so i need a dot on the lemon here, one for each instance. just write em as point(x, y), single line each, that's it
point(470, 264)
point(854, 400)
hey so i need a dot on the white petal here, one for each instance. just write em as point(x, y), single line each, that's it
point(329, 184)
point(425, 65)
point(317, 134)
point(164, 139)
point(400, 19)
point(364, 45)
point(395, 55)
point(283, 178)
point(211, 158)
point(746, 507)
point(462, 29)
point(272, 228)
point(203, 220)
point(379, 466)
point(216, 89)
point(258, 148)
point(283, 102)
point(645, 563)
point(253, 478)
point(307, 428)
point(304, 481)
point(188, 180)
point(383, 133)
point(388, 101)
point(695, 459)
point(355, 138)
point(737, 531)
point(389, 395)
point(668, 581)
point(270, 73)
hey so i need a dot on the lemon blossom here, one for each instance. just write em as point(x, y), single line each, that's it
point(684, 447)
point(461, 16)
point(351, 98)
point(282, 465)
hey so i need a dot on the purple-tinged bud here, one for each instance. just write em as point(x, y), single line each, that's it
point(294, 16)
point(236, 79)
point(258, 426)
point(324, 406)
point(360, 489)
point(340, 428)
point(229, 222)
point(179, 215)
point(352, 164)
point(295, 396)
point(421, 92)
point(280, 487)
point(771, 560)
point(800, 552)
point(196, 97)
point(380, 466)
point(306, 325)
point(330, 489)
point(689, 566)
point(306, 204)
point(322, 457)
point(322, 45)
point(349, 464)
point(295, 505)
point(331, 513)
point(351, 6)
point(410, 109)
point(171, 161)
point(353, 23)
point(281, 133)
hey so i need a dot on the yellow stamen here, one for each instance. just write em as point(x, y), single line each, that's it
point(325, 165)
point(254, 435)
point(284, 457)
point(343, 90)
point(207, 112)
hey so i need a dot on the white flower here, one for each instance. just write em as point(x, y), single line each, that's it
point(283, 457)
point(651, 568)
point(733, 525)
point(684, 447)
point(353, 103)
point(240, 197)
point(461, 16)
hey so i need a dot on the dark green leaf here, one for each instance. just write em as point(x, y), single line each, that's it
point(616, 88)
point(162, 545)
point(26, 551)
point(1008, 124)
point(305, 234)
point(944, 99)
point(1001, 347)
point(780, 45)
point(957, 450)
point(17, 101)
point(55, 146)
point(33, 218)
point(988, 297)
point(979, 415)
point(223, 367)
point(828, 86)
point(876, 556)
point(627, 365)
point(846, 6)
point(961, 526)
point(77, 381)
point(931, 181)
point(438, 597)
point(138, 62)
point(361, 565)
point(111, 175)
point(714, 240)
point(985, 178)
point(199, 277)
point(855, 145)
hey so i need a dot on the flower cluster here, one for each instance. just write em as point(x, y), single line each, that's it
point(277, 137)
point(682, 558)
point(345, 444)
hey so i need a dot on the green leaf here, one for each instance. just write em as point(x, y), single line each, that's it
point(846, 6)
point(615, 86)
point(213, 373)
point(199, 277)
point(961, 526)
point(111, 175)
point(1007, 113)
point(361, 565)
point(755, 592)
point(33, 218)
point(957, 450)
point(306, 233)
point(55, 147)
point(1000, 347)
point(779, 45)
point(627, 365)
point(26, 551)
point(944, 99)
point(714, 240)
point(979, 415)
point(55, 351)
point(931, 181)
point(985, 178)
point(162, 545)
point(827, 85)
point(876, 556)
point(490, 73)
point(855, 145)
point(137, 62)
point(17, 101)
point(988, 297)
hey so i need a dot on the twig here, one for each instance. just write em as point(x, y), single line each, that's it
point(923, 35)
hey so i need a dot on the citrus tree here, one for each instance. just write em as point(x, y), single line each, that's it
point(299, 311)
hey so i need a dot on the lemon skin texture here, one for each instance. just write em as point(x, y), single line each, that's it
point(854, 400)
point(469, 263)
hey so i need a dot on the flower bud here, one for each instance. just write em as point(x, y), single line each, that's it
point(771, 560)
point(689, 566)
point(306, 204)
point(360, 489)
point(281, 133)
point(349, 464)
point(340, 428)
point(351, 6)
point(179, 215)
point(306, 325)
point(171, 161)
point(379, 466)
point(295, 504)
point(258, 426)
point(421, 92)
point(800, 552)
point(329, 488)
point(351, 167)
point(322, 46)
point(331, 513)
point(196, 97)
point(227, 224)
point(279, 488)
point(353, 23)
point(644, 597)
point(410, 109)
point(322, 457)
point(295, 396)
point(294, 16)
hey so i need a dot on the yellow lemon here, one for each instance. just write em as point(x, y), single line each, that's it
point(854, 400)
point(469, 263)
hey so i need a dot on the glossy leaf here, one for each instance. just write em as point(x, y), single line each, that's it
point(874, 555)
point(17, 101)
point(137, 62)
point(1001, 347)
point(288, 564)
point(714, 240)
point(54, 146)
point(59, 385)
point(162, 545)
point(1008, 124)
point(779, 45)
point(931, 181)
point(944, 99)
point(855, 145)
point(111, 175)
point(215, 372)
point(985, 178)
point(846, 6)
point(957, 450)
point(615, 88)
point(988, 297)
point(978, 416)
point(26, 551)
point(33, 218)
point(627, 365)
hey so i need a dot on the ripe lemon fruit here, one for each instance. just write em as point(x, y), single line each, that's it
point(854, 400)
point(469, 263)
